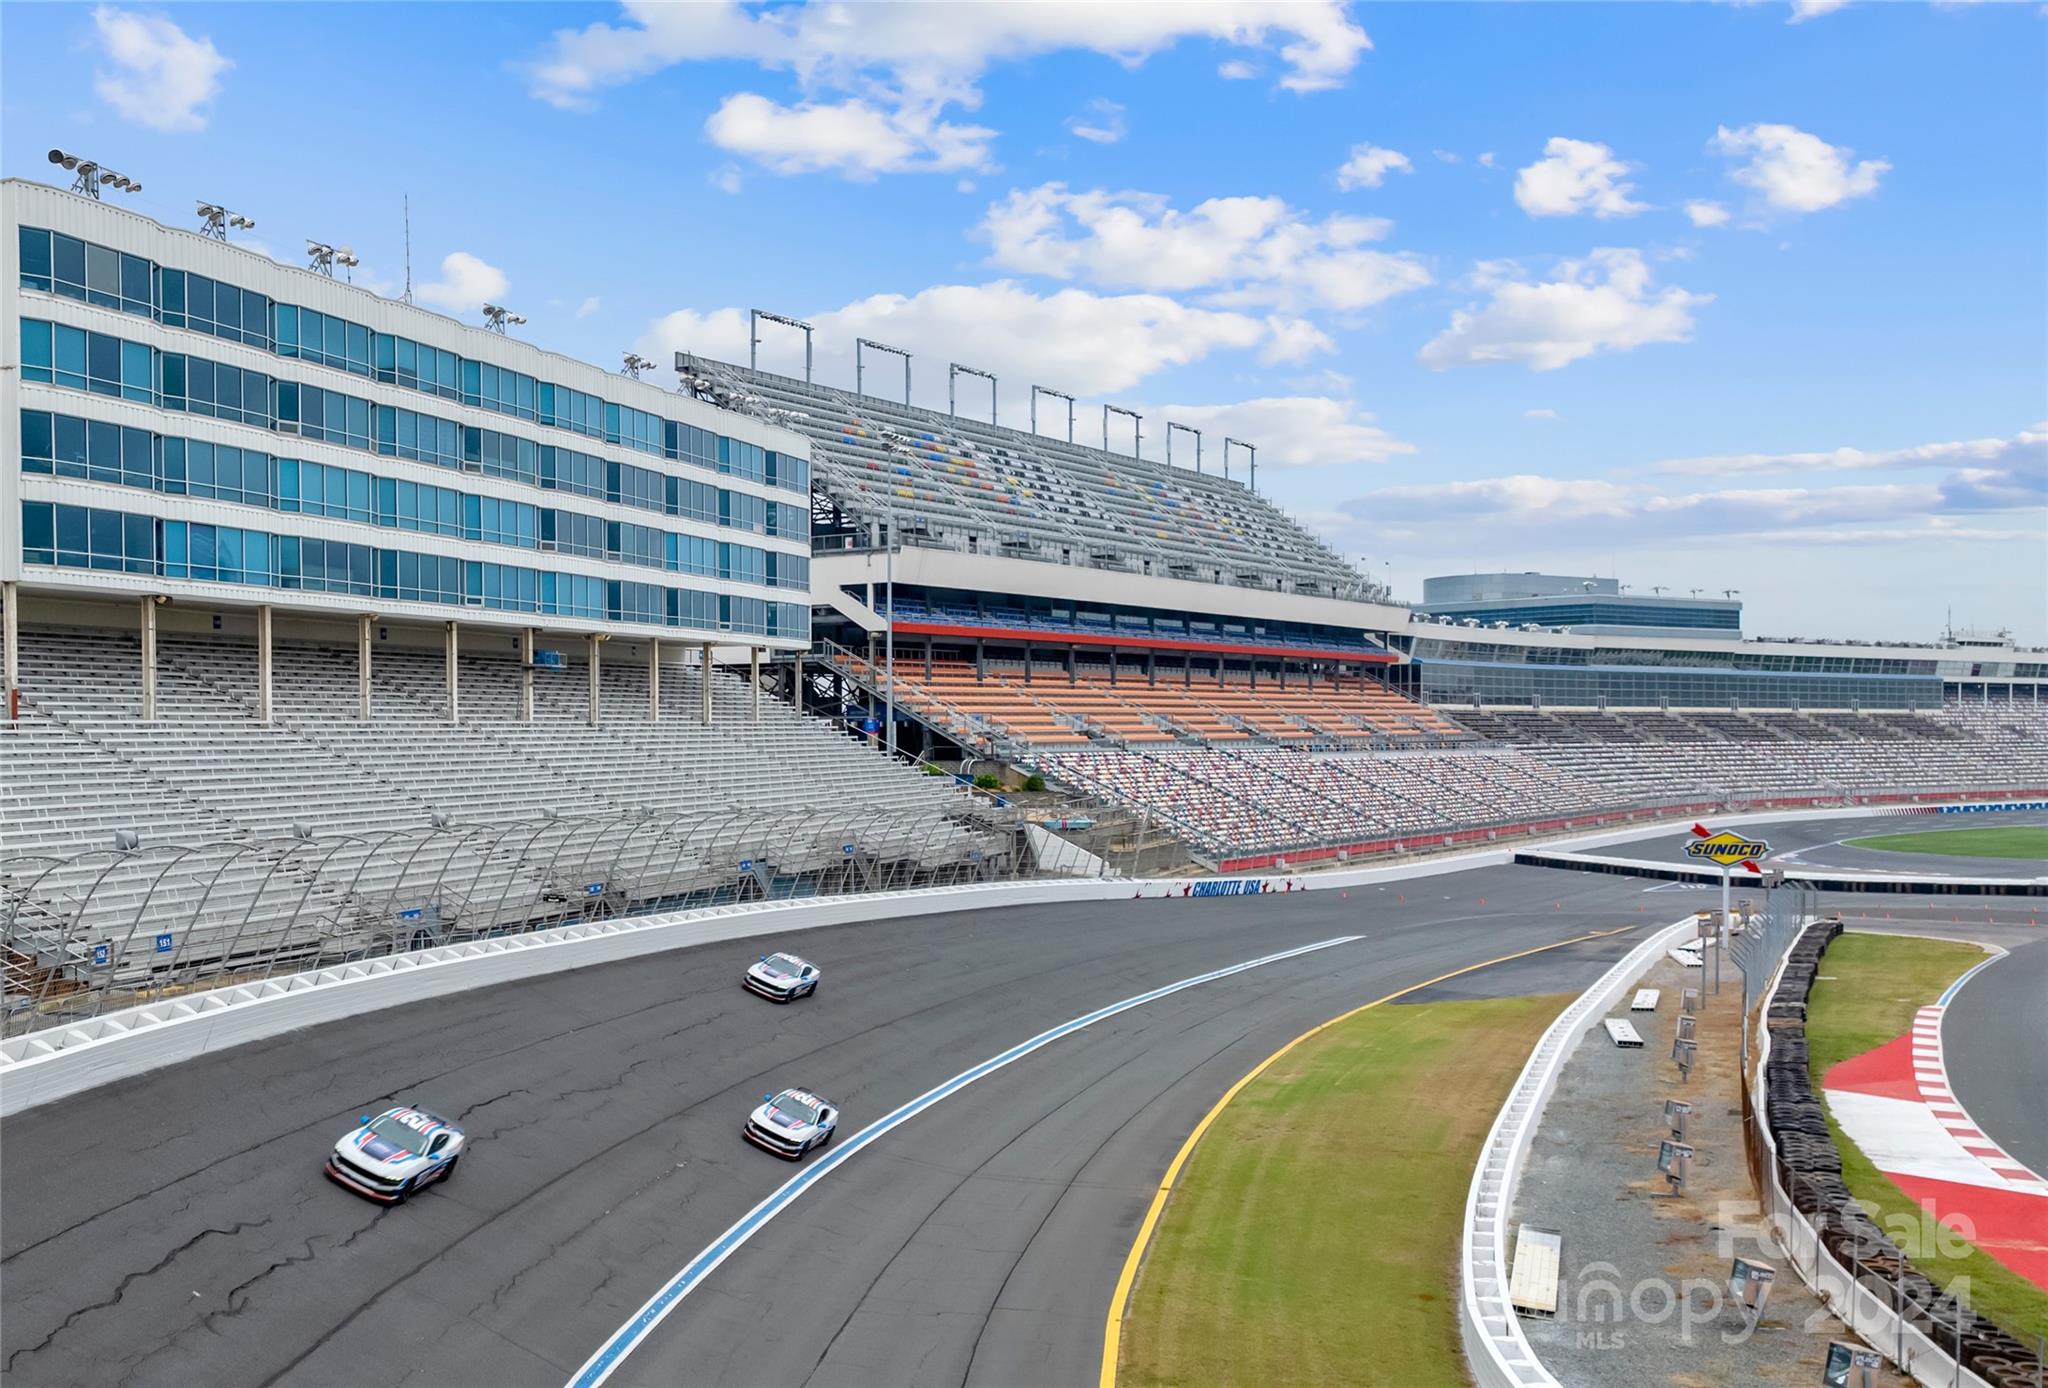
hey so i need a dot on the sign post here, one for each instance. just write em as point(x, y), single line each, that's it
point(1728, 851)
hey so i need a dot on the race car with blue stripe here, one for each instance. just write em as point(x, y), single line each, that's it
point(395, 1154)
point(791, 1124)
point(782, 977)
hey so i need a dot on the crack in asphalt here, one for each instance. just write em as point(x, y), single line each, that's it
point(121, 1288)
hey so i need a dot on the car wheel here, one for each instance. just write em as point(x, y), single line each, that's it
point(449, 1169)
point(827, 1136)
point(402, 1194)
point(812, 991)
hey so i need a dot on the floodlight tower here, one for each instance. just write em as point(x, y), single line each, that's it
point(214, 221)
point(1171, 425)
point(91, 174)
point(859, 344)
point(1037, 391)
point(1137, 426)
point(322, 257)
point(635, 364)
point(1249, 449)
point(954, 371)
point(754, 317)
point(497, 318)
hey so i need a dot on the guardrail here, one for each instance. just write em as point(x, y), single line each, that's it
point(1496, 1350)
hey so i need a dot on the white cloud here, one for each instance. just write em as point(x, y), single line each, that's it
point(1293, 340)
point(161, 76)
point(1369, 166)
point(1600, 304)
point(1794, 171)
point(1539, 414)
point(1102, 123)
point(1803, 10)
point(1488, 160)
point(899, 64)
point(1575, 176)
point(2026, 449)
point(1237, 70)
point(1445, 156)
point(1706, 214)
point(1290, 431)
point(1243, 251)
point(587, 307)
point(1071, 338)
point(851, 137)
point(466, 284)
point(726, 178)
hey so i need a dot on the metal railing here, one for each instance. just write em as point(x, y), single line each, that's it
point(104, 928)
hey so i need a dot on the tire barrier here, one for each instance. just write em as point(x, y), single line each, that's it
point(1800, 1152)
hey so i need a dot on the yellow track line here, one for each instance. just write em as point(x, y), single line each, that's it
point(1113, 1327)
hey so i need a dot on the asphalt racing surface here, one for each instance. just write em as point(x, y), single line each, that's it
point(1994, 1042)
point(176, 1228)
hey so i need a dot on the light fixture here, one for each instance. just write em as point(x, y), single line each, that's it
point(497, 317)
point(635, 364)
point(214, 221)
point(323, 257)
point(91, 174)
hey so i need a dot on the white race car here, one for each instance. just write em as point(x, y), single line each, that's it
point(396, 1153)
point(781, 977)
point(791, 1123)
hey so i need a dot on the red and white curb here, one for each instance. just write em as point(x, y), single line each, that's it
point(1930, 1076)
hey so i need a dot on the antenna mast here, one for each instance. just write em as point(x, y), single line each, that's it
point(408, 247)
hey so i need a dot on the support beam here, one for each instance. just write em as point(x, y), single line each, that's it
point(264, 630)
point(10, 645)
point(704, 680)
point(453, 647)
point(654, 681)
point(796, 684)
point(754, 679)
point(596, 640)
point(363, 667)
point(148, 656)
point(526, 675)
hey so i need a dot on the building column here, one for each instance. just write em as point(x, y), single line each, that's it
point(704, 680)
point(1152, 667)
point(595, 662)
point(796, 684)
point(453, 645)
point(1283, 674)
point(654, 681)
point(149, 601)
point(1112, 667)
point(980, 663)
point(263, 667)
point(10, 646)
point(363, 667)
point(928, 663)
point(526, 675)
point(1187, 672)
point(1072, 677)
point(754, 679)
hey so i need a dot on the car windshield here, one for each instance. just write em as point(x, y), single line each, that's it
point(800, 1109)
point(783, 963)
point(399, 1134)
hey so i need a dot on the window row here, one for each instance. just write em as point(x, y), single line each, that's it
point(77, 359)
point(83, 537)
point(61, 445)
point(82, 270)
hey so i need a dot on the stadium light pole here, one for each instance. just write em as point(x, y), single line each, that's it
point(1137, 426)
point(755, 316)
point(1249, 449)
point(861, 342)
point(91, 174)
point(1189, 429)
point(1037, 391)
point(954, 371)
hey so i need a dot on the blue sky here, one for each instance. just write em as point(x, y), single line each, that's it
point(1707, 295)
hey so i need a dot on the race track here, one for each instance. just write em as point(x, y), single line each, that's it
point(1821, 843)
point(175, 1229)
point(1994, 1041)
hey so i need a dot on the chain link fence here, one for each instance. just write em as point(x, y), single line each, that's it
point(109, 928)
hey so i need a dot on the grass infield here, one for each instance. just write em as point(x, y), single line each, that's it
point(1870, 987)
point(2006, 841)
point(1313, 1237)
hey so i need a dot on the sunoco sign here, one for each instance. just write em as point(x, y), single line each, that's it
point(1726, 849)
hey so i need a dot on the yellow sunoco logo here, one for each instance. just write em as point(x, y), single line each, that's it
point(1727, 849)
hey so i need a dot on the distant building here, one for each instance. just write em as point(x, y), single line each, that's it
point(1594, 606)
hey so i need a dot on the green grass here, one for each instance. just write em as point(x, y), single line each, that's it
point(1313, 1237)
point(2007, 841)
point(1871, 985)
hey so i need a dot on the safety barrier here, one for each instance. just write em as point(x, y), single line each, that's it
point(1819, 879)
point(1496, 1350)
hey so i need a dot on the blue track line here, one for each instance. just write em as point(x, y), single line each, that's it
point(628, 1337)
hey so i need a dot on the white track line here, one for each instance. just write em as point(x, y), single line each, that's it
point(629, 1336)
